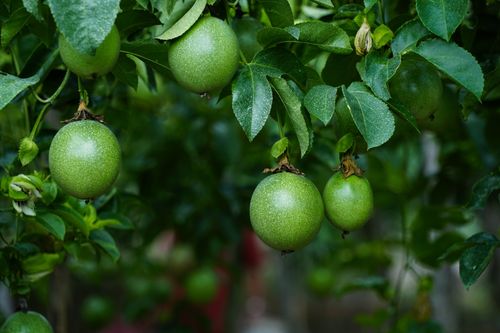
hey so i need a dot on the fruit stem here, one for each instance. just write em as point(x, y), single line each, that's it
point(22, 304)
point(84, 96)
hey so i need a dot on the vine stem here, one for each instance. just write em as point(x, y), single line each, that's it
point(48, 102)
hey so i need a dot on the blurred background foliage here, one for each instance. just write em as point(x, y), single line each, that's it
point(189, 261)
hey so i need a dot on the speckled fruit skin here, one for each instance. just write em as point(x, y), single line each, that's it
point(26, 322)
point(85, 65)
point(286, 211)
point(201, 286)
point(348, 201)
point(84, 158)
point(206, 57)
point(418, 86)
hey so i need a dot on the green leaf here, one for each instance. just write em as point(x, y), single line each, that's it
point(370, 114)
point(279, 147)
point(49, 192)
point(326, 36)
point(125, 71)
point(376, 70)
point(33, 7)
point(72, 217)
point(84, 23)
point(442, 17)
point(152, 53)
point(106, 242)
point(252, 94)
point(320, 102)
point(382, 35)
point(41, 263)
point(185, 22)
point(27, 151)
point(475, 259)
point(369, 4)
point(293, 107)
point(341, 69)
point(483, 189)
point(53, 224)
point(134, 20)
point(408, 35)
point(344, 143)
point(17, 20)
point(403, 111)
point(279, 12)
point(455, 62)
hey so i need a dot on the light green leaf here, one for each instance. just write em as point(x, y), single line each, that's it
point(320, 102)
point(344, 143)
point(84, 23)
point(293, 107)
point(476, 258)
point(279, 12)
point(33, 7)
point(106, 242)
point(408, 35)
point(442, 17)
point(369, 4)
point(185, 22)
point(27, 151)
point(279, 147)
point(53, 224)
point(382, 35)
point(41, 263)
point(375, 70)
point(455, 62)
point(370, 114)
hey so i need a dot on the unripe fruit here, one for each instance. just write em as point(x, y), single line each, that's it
point(206, 57)
point(320, 281)
point(84, 158)
point(26, 322)
point(201, 286)
point(348, 201)
point(418, 86)
point(85, 65)
point(286, 211)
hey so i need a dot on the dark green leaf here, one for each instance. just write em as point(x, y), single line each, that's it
point(72, 217)
point(185, 22)
point(442, 17)
point(408, 35)
point(403, 111)
point(376, 70)
point(17, 20)
point(279, 12)
point(84, 23)
point(340, 69)
point(125, 71)
point(370, 114)
point(475, 259)
point(279, 147)
point(134, 20)
point(483, 189)
point(369, 4)
point(152, 53)
point(320, 102)
point(53, 224)
point(455, 62)
point(293, 107)
point(27, 151)
point(48, 192)
point(277, 61)
point(33, 7)
point(106, 242)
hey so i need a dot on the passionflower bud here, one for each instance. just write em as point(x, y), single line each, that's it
point(363, 40)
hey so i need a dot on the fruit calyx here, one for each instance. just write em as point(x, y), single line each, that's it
point(283, 166)
point(84, 113)
point(349, 167)
point(22, 305)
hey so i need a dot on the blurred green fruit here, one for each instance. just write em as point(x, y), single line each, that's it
point(26, 322)
point(286, 211)
point(320, 281)
point(206, 57)
point(201, 286)
point(85, 65)
point(97, 311)
point(418, 86)
point(348, 201)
